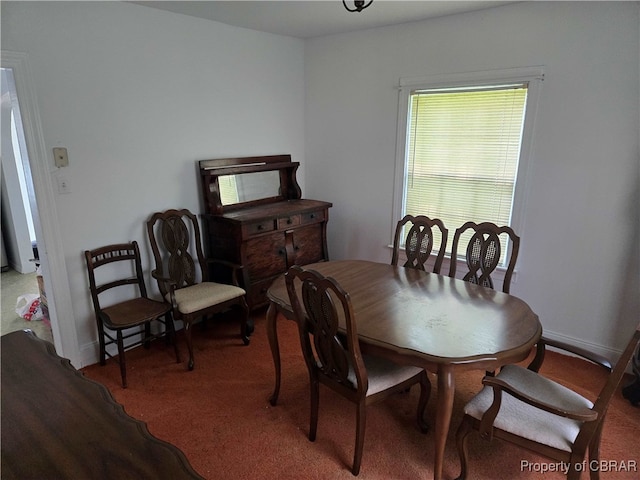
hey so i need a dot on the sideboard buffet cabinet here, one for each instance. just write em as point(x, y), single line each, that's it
point(255, 216)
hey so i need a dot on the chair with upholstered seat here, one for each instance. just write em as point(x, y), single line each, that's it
point(127, 318)
point(483, 253)
point(419, 242)
point(182, 274)
point(319, 306)
point(521, 406)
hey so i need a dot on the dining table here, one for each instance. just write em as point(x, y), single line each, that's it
point(412, 317)
point(59, 424)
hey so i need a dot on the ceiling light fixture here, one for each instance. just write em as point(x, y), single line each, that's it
point(358, 5)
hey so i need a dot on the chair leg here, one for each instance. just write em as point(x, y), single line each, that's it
point(103, 349)
point(170, 330)
point(574, 474)
point(244, 322)
point(315, 404)
point(187, 334)
point(147, 335)
point(121, 360)
point(462, 434)
point(594, 453)
point(168, 335)
point(425, 393)
point(361, 423)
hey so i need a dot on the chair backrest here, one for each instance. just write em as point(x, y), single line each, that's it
point(121, 252)
point(419, 242)
point(483, 253)
point(177, 249)
point(320, 307)
point(604, 398)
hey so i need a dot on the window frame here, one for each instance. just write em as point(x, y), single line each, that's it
point(534, 76)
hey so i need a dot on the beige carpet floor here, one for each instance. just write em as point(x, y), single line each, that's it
point(12, 285)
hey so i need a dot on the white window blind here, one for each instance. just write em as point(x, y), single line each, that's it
point(228, 189)
point(462, 152)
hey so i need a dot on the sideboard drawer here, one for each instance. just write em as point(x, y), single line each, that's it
point(288, 222)
point(260, 227)
point(312, 217)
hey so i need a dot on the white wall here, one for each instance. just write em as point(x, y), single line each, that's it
point(579, 258)
point(137, 96)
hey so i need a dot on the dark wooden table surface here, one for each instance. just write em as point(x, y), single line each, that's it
point(436, 322)
point(57, 424)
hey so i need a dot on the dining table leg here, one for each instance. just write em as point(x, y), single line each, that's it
point(272, 335)
point(444, 409)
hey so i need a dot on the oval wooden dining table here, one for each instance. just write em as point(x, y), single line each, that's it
point(418, 318)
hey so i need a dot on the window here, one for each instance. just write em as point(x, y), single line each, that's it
point(462, 148)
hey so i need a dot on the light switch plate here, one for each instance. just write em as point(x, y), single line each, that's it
point(63, 185)
point(60, 157)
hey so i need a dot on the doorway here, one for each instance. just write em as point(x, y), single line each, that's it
point(50, 249)
point(22, 276)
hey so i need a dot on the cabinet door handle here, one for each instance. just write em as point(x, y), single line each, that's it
point(260, 227)
point(313, 215)
point(281, 252)
point(289, 221)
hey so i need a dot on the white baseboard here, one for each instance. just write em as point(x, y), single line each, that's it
point(90, 352)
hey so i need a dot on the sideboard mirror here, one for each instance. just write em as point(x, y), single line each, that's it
point(247, 187)
point(234, 183)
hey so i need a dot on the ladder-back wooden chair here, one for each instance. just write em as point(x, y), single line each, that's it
point(127, 318)
point(522, 407)
point(419, 242)
point(182, 273)
point(483, 253)
point(319, 305)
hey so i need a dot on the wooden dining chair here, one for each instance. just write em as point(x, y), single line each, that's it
point(522, 407)
point(127, 318)
point(483, 253)
point(319, 304)
point(631, 391)
point(182, 274)
point(419, 242)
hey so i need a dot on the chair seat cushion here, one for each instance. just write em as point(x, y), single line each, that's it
point(526, 421)
point(384, 374)
point(204, 295)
